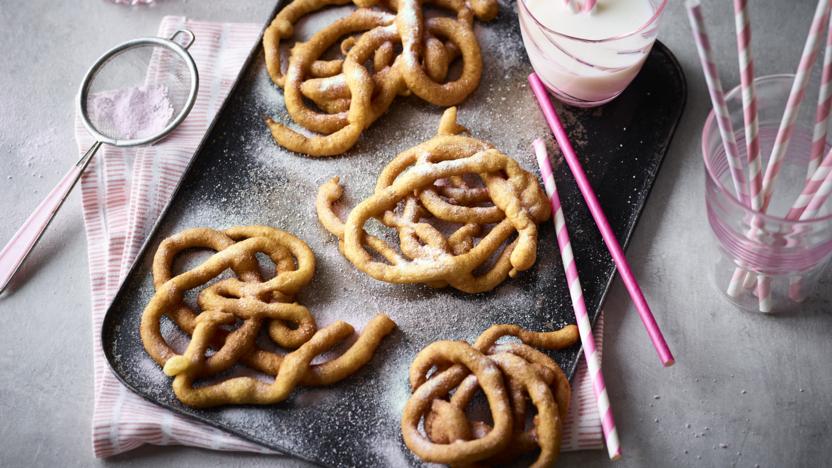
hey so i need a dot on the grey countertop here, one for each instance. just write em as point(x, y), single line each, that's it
point(747, 389)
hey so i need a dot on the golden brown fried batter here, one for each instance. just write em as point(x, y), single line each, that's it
point(510, 202)
point(249, 303)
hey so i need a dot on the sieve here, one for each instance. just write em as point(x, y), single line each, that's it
point(135, 94)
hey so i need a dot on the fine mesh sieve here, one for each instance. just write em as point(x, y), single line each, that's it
point(139, 91)
point(135, 94)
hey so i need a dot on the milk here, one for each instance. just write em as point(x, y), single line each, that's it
point(587, 59)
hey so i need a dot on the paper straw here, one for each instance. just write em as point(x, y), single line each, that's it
point(811, 199)
point(593, 360)
point(589, 5)
point(819, 199)
point(816, 180)
point(824, 106)
point(784, 133)
point(808, 212)
point(721, 114)
point(723, 118)
point(752, 137)
point(578, 6)
point(597, 212)
point(749, 102)
point(796, 95)
point(573, 5)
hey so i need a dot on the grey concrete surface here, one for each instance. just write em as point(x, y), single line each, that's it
point(747, 389)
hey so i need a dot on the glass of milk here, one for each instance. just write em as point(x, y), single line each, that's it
point(587, 58)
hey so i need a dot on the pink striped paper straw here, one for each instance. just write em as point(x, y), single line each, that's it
point(573, 5)
point(812, 186)
point(819, 199)
point(809, 211)
point(723, 117)
point(813, 195)
point(597, 212)
point(784, 133)
point(824, 106)
point(752, 138)
point(749, 101)
point(589, 5)
point(806, 206)
point(593, 360)
point(578, 6)
point(821, 195)
point(796, 95)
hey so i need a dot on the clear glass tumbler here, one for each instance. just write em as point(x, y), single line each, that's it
point(767, 263)
point(587, 72)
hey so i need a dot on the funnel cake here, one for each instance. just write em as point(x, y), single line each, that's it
point(466, 215)
point(507, 374)
point(235, 310)
point(389, 48)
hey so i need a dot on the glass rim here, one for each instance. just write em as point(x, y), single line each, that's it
point(710, 122)
point(645, 25)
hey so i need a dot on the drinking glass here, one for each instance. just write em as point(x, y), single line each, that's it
point(787, 256)
point(587, 72)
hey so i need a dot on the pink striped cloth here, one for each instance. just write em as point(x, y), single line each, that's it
point(123, 193)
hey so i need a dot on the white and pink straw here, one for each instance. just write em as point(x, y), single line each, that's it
point(752, 138)
point(723, 118)
point(580, 6)
point(749, 101)
point(787, 124)
point(796, 95)
point(807, 206)
point(736, 165)
point(593, 360)
point(813, 185)
point(759, 182)
point(823, 108)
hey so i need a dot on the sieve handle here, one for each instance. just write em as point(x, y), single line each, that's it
point(23, 241)
point(187, 34)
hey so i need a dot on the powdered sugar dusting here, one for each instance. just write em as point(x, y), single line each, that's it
point(130, 113)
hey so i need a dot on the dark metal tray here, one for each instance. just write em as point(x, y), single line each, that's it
point(240, 177)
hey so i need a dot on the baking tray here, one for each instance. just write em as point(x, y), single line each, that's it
point(240, 177)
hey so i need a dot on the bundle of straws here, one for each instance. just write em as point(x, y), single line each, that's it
point(752, 185)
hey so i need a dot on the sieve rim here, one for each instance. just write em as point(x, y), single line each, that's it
point(83, 92)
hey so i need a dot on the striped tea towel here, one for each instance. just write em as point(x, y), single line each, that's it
point(124, 191)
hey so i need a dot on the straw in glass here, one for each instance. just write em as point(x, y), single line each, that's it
point(807, 205)
point(600, 218)
point(589, 5)
point(796, 95)
point(573, 5)
point(811, 188)
point(578, 6)
point(723, 119)
point(749, 101)
point(573, 281)
point(752, 137)
point(736, 164)
point(823, 108)
point(787, 123)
